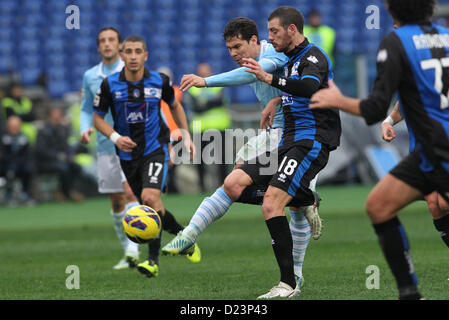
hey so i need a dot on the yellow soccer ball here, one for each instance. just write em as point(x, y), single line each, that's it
point(141, 224)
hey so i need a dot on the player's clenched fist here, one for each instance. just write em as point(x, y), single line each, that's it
point(125, 144)
point(388, 133)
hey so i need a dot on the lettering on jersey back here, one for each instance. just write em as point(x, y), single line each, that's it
point(431, 41)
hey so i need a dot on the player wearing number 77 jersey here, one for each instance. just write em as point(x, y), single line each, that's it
point(414, 60)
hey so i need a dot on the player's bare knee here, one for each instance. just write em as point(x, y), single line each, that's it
point(232, 187)
point(271, 207)
point(150, 199)
point(378, 209)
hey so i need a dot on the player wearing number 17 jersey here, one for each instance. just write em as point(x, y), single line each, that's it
point(414, 61)
point(134, 98)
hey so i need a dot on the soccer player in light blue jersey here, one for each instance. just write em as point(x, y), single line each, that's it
point(111, 179)
point(242, 41)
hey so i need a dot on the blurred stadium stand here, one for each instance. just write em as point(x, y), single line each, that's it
point(35, 43)
point(180, 34)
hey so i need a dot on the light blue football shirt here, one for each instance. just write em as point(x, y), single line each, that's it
point(271, 61)
point(91, 83)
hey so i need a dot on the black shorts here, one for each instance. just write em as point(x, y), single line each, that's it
point(147, 172)
point(408, 171)
point(298, 164)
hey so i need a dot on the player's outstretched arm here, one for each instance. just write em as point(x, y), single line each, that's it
point(231, 78)
point(388, 133)
point(333, 98)
point(191, 80)
point(123, 143)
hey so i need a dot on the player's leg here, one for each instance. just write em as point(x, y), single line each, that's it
point(301, 234)
point(439, 209)
point(404, 184)
point(298, 166)
point(214, 207)
point(210, 210)
point(110, 181)
point(273, 206)
point(383, 204)
point(152, 197)
point(311, 212)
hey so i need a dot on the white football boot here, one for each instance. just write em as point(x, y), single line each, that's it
point(282, 290)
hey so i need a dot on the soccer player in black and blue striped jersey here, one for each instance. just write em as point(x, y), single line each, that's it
point(307, 139)
point(413, 60)
point(141, 136)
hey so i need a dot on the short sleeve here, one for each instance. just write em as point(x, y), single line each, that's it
point(168, 93)
point(103, 98)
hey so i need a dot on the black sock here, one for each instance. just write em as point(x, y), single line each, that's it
point(394, 244)
point(442, 225)
point(169, 223)
point(154, 247)
point(282, 243)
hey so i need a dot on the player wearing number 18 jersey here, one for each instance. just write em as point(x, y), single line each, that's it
point(414, 61)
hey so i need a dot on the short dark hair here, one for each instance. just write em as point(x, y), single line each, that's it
point(244, 28)
point(135, 38)
point(410, 11)
point(119, 36)
point(287, 16)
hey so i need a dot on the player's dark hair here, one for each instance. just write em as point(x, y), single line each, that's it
point(243, 28)
point(288, 16)
point(411, 11)
point(135, 38)
point(119, 36)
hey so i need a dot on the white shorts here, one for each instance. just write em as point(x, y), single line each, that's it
point(110, 174)
point(266, 141)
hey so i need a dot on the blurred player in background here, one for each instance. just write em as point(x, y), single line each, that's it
point(133, 96)
point(175, 134)
point(413, 59)
point(321, 35)
point(210, 112)
point(111, 179)
point(242, 40)
point(435, 202)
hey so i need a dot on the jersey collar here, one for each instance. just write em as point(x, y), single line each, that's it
point(298, 48)
point(119, 67)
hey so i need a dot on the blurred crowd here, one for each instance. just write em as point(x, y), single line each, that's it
point(39, 146)
point(41, 156)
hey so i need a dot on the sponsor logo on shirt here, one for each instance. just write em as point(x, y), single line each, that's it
point(152, 93)
point(136, 112)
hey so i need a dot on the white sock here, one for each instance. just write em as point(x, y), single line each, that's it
point(132, 247)
point(127, 245)
point(129, 205)
point(118, 227)
point(210, 210)
point(300, 229)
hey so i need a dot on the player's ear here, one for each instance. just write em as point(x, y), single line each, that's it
point(146, 55)
point(253, 39)
point(291, 28)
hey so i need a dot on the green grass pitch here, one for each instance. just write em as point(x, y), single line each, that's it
point(37, 244)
